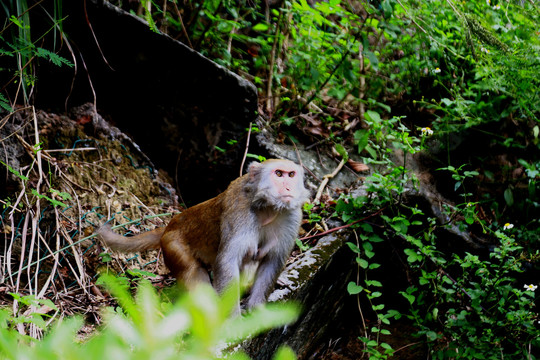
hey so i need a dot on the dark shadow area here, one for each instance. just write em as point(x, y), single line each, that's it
point(175, 103)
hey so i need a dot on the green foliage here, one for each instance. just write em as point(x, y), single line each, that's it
point(315, 212)
point(477, 61)
point(491, 75)
point(18, 45)
point(14, 172)
point(303, 247)
point(259, 158)
point(460, 177)
point(52, 201)
point(482, 312)
point(28, 302)
point(197, 326)
point(383, 137)
point(55, 193)
point(372, 290)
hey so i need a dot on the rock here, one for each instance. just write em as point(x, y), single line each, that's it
point(317, 280)
point(175, 103)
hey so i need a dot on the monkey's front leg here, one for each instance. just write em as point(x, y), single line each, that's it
point(229, 261)
point(265, 278)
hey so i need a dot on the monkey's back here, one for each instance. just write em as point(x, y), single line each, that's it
point(197, 230)
point(198, 238)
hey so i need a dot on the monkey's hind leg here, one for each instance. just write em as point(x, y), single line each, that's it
point(188, 270)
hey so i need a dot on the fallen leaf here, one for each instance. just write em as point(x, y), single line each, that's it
point(358, 166)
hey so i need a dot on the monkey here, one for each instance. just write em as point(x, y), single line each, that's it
point(254, 221)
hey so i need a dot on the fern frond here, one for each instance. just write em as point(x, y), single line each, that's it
point(4, 103)
point(54, 58)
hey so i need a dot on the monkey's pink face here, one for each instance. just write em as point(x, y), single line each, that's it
point(286, 182)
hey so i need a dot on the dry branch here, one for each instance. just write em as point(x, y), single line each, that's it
point(326, 179)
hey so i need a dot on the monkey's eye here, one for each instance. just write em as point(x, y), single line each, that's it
point(279, 173)
point(292, 173)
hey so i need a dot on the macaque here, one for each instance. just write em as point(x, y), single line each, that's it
point(255, 220)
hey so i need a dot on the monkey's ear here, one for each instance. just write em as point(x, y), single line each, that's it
point(254, 169)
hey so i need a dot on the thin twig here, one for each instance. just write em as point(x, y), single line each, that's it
point(8, 205)
point(55, 256)
point(343, 226)
point(82, 278)
point(182, 23)
point(86, 238)
point(246, 151)
point(69, 150)
point(94, 36)
point(358, 295)
point(327, 178)
point(361, 107)
point(269, 97)
point(37, 213)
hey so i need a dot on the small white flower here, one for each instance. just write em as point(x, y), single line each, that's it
point(483, 49)
point(426, 131)
point(508, 226)
point(530, 287)
point(436, 70)
point(488, 2)
point(496, 7)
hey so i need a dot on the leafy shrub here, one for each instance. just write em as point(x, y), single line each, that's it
point(197, 326)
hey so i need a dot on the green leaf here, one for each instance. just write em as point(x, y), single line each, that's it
point(373, 116)
point(372, 59)
point(363, 263)
point(373, 283)
point(353, 288)
point(4, 103)
point(48, 303)
point(13, 171)
point(509, 197)
point(342, 152)
point(105, 257)
point(447, 102)
point(259, 320)
point(413, 255)
point(410, 297)
point(55, 59)
point(301, 245)
point(284, 353)
point(372, 152)
point(354, 248)
point(387, 8)
point(63, 195)
point(361, 138)
point(140, 273)
point(52, 201)
point(374, 238)
point(260, 27)
point(368, 249)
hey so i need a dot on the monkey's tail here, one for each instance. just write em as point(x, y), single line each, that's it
point(144, 241)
